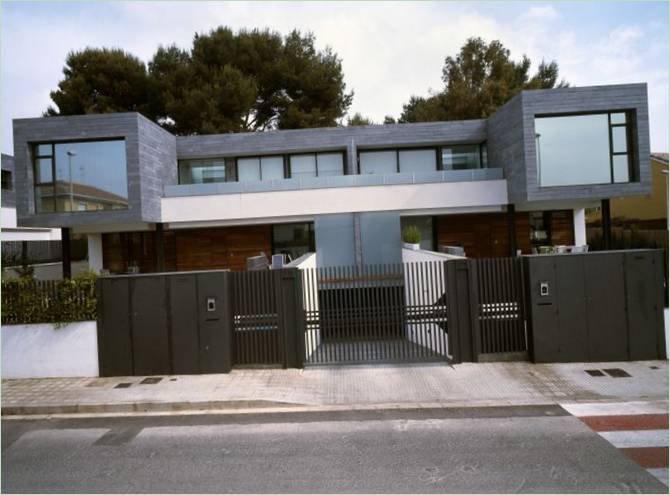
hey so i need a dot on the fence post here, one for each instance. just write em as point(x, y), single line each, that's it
point(461, 311)
point(291, 316)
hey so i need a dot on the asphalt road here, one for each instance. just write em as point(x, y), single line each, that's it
point(511, 449)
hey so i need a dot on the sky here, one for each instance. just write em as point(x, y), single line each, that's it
point(389, 50)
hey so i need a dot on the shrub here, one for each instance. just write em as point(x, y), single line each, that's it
point(26, 300)
point(411, 234)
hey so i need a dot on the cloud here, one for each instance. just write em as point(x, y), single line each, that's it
point(389, 50)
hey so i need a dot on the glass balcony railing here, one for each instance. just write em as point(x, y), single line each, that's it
point(295, 184)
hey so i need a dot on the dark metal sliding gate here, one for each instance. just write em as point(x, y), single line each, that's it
point(375, 313)
point(500, 308)
point(256, 335)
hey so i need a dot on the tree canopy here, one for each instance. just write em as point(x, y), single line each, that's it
point(227, 82)
point(479, 80)
point(101, 81)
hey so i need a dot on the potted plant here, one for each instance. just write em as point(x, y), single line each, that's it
point(411, 236)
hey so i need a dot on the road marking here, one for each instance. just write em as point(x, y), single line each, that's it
point(638, 429)
point(627, 422)
point(636, 438)
point(616, 408)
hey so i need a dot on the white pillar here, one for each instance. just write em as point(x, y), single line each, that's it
point(579, 222)
point(95, 252)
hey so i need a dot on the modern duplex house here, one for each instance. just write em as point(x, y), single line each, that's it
point(152, 201)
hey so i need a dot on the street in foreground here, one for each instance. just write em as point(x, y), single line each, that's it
point(528, 449)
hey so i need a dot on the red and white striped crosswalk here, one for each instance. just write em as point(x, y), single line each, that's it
point(638, 429)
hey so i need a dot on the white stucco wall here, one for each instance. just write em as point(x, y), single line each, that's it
point(94, 252)
point(41, 350)
point(579, 222)
point(246, 206)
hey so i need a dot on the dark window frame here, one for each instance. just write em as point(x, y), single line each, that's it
point(35, 156)
point(316, 154)
point(310, 234)
point(8, 182)
point(631, 140)
point(439, 165)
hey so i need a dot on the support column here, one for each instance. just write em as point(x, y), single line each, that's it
point(607, 224)
point(579, 226)
point(65, 251)
point(511, 229)
point(94, 252)
point(159, 245)
point(358, 241)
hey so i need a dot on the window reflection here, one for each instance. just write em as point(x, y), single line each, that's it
point(89, 176)
point(582, 149)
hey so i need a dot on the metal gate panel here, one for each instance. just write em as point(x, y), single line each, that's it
point(606, 307)
point(149, 320)
point(256, 334)
point(644, 301)
point(184, 324)
point(375, 313)
point(500, 307)
point(115, 347)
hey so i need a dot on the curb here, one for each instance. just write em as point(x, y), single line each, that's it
point(142, 407)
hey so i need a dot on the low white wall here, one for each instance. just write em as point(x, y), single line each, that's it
point(42, 350)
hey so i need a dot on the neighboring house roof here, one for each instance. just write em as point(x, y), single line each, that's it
point(87, 192)
point(660, 157)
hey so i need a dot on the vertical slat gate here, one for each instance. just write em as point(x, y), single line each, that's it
point(500, 308)
point(375, 313)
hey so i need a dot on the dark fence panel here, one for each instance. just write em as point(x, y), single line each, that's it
point(375, 313)
point(500, 306)
point(256, 335)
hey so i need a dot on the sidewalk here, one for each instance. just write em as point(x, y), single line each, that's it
point(337, 388)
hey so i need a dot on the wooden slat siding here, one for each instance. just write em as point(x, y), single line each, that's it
point(562, 228)
point(485, 235)
point(226, 248)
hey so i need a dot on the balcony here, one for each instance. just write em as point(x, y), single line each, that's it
point(306, 183)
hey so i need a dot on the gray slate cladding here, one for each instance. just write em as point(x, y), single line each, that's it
point(8, 196)
point(150, 160)
point(152, 152)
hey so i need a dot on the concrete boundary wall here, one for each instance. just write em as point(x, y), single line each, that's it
point(41, 350)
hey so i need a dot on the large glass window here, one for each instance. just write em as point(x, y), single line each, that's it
point(293, 239)
point(303, 166)
point(203, 171)
point(330, 164)
point(317, 164)
point(582, 149)
point(378, 162)
point(464, 157)
point(260, 168)
point(425, 226)
point(417, 160)
point(88, 176)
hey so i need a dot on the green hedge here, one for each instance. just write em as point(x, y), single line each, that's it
point(26, 300)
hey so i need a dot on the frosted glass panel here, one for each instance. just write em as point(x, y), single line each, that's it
point(425, 226)
point(620, 163)
point(334, 238)
point(573, 150)
point(272, 167)
point(303, 166)
point(330, 164)
point(378, 162)
point(418, 161)
point(380, 238)
point(248, 169)
point(619, 144)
